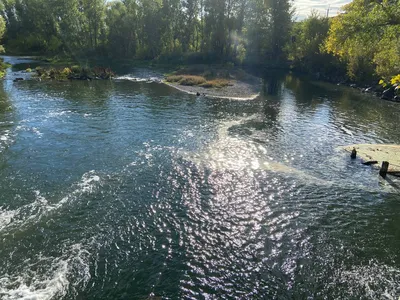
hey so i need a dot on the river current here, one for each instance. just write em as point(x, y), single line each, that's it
point(133, 190)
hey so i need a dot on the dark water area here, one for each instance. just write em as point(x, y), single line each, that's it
point(133, 190)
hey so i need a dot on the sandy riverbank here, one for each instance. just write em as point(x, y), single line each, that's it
point(236, 90)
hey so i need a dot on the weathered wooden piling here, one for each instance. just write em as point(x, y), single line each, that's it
point(384, 169)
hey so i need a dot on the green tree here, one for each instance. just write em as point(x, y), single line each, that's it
point(366, 37)
point(2, 31)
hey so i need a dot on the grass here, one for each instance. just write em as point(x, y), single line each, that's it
point(216, 83)
point(210, 76)
point(191, 80)
point(196, 80)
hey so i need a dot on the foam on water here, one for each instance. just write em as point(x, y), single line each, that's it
point(149, 79)
point(6, 217)
point(6, 139)
point(54, 283)
point(35, 211)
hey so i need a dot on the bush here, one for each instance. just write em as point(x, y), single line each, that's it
point(174, 78)
point(66, 72)
point(216, 83)
point(187, 79)
point(76, 69)
point(192, 80)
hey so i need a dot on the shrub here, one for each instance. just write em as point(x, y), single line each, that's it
point(29, 70)
point(216, 83)
point(192, 80)
point(66, 72)
point(76, 69)
point(174, 78)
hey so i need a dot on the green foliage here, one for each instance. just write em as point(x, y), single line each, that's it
point(307, 38)
point(198, 31)
point(3, 68)
point(2, 31)
point(74, 72)
point(367, 37)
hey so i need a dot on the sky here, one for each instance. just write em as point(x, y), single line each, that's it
point(304, 7)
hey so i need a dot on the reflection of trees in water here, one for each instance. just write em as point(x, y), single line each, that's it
point(368, 113)
point(348, 108)
point(307, 95)
point(272, 83)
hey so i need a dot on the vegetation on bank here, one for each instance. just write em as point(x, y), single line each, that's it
point(193, 80)
point(210, 76)
point(361, 45)
point(3, 66)
point(192, 31)
point(74, 73)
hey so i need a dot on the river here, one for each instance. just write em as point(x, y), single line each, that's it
point(134, 190)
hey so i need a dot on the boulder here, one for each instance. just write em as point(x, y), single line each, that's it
point(396, 98)
point(369, 89)
point(18, 79)
point(388, 94)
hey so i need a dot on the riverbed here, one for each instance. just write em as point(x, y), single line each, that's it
point(135, 190)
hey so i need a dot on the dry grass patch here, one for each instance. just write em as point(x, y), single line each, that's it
point(189, 80)
point(207, 80)
point(216, 83)
point(192, 80)
point(174, 78)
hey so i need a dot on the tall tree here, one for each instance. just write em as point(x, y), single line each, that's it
point(367, 38)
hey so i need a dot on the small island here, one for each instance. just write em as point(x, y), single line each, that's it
point(215, 82)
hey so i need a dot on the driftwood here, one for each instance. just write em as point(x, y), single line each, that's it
point(370, 163)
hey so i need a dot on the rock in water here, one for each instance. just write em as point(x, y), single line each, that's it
point(388, 94)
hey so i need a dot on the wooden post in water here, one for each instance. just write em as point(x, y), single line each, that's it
point(384, 169)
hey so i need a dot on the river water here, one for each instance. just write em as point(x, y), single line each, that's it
point(133, 190)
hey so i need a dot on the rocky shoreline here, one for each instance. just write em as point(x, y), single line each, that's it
point(389, 93)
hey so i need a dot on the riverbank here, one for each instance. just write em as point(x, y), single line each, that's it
point(384, 90)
